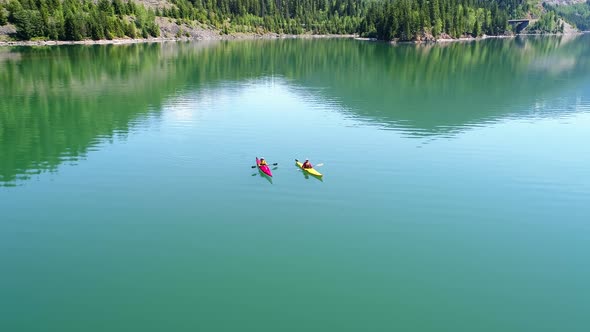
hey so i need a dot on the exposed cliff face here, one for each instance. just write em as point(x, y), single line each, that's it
point(563, 2)
point(6, 31)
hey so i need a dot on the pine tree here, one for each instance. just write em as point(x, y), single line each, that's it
point(476, 29)
point(3, 16)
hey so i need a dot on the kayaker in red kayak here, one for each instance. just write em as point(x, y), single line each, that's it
point(306, 164)
point(262, 162)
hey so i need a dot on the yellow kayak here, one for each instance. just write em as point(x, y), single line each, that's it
point(308, 170)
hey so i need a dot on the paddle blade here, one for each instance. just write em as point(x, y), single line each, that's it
point(319, 165)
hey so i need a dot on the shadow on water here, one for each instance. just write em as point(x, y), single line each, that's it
point(266, 177)
point(261, 174)
point(59, 103)
point(307, 176)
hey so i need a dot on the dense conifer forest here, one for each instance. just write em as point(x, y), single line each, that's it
point(402, 20)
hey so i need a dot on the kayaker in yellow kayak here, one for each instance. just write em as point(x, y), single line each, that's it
point(262, 162)
point(307, 164)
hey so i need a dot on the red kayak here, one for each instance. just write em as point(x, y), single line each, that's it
point(264, 168)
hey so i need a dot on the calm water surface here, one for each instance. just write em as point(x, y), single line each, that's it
point(455, 197)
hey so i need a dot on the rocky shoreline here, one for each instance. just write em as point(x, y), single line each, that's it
point(214, 36)
point(209, 35)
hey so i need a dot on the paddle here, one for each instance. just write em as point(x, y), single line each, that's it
point(275, 164)
point(318, 165)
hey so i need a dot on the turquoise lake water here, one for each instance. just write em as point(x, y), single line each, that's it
point(455, 194)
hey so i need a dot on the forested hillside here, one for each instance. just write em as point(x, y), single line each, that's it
point(79, 19)
point(409, 19)
point(382, 19)
point(577, 14)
